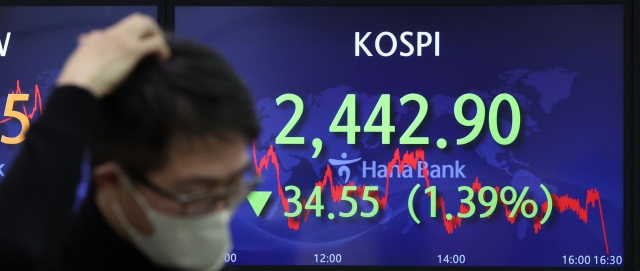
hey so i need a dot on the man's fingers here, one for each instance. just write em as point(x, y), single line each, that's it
point(139, 25)
point(84, 36)
point(144, 32)
point(104, 58)
point(155, 45)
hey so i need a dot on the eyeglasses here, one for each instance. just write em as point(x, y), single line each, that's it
point(204, 201)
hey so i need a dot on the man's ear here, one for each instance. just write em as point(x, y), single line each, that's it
point(106, 175)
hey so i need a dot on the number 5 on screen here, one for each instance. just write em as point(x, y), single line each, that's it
point(9, 112)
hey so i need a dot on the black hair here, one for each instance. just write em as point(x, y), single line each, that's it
point(195, 94)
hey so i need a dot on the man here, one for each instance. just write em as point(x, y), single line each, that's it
point(168, 125)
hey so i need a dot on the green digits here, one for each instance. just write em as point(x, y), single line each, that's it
point(515, 119)
point(477, 121)
point(373, 201)
point(468, 201)
point(315, 201)
point(385, 128)
point(406, 138)
point(282, 137)
point(346, 197)
point(349, 107)
point(295, 200)
point(491, 204)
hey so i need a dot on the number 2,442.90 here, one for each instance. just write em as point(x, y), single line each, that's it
point(382, 111)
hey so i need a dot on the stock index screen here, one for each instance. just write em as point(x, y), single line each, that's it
point(428, 136)
point(35, 41)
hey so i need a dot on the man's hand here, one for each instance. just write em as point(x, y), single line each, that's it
point(104, 58)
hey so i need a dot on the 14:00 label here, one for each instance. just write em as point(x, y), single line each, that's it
point(451, 259)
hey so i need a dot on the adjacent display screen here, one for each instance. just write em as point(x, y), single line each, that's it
point(429, 136)
point(34, 44)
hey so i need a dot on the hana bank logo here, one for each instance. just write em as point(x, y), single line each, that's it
point(375, 169)
point(344, 168)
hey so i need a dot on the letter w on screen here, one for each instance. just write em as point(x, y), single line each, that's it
point(4, 45)
point(422, 39)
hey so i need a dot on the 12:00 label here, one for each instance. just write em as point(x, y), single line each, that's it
point(328, 258)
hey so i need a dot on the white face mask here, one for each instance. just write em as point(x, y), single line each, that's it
point(185, 243)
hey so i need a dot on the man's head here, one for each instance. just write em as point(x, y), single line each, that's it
point(173, 128)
